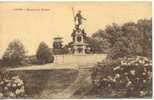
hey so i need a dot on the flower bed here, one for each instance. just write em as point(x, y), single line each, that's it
point(11, 86)
point(124, 77)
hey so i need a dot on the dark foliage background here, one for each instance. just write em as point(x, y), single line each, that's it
point(15, 54)
point(44, 54)
point(128, 39)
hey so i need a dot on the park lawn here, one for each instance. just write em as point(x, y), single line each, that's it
point(44, 83)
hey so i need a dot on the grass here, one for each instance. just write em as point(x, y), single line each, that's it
point(46, 81)
point(41, 84)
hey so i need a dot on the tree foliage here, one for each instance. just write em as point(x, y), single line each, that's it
point(44, 54)
point(14, 54)
point(128, 39)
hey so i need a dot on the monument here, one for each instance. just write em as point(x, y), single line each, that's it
point(79, 45)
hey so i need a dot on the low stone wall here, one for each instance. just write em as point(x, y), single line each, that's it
point(79, 59)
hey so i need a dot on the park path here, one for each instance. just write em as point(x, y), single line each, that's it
point(50, 66)
point(82, 82)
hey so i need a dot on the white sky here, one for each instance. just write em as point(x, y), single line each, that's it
point(32, 27)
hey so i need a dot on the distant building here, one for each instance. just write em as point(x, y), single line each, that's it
point(58, 43)
point(58, 47)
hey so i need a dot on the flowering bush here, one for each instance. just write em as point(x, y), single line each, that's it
point(11, 87)
point(125, 77)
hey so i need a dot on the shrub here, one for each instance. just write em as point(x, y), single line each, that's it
point(44, 54)
point(14, 54)
point(124, 77)
point(31, 60)
point(60, 51)
point(11, 86)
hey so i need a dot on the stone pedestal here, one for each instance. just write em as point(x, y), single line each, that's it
point(79, 47)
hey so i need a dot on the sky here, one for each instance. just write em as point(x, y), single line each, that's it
point(32, 23)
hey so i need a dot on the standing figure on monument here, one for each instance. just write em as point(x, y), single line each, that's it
point(79, 46)
point(78, 19)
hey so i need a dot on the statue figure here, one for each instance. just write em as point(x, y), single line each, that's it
point(78, 19)
point(78, 35)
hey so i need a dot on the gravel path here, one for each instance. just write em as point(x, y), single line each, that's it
point(82, 81)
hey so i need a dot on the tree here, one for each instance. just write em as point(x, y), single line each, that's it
point(126, 40)
point(97, 45)
point(145, 27)
point(14, 54)
point(98, 42)
point(44, 54)
point(112, 33)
